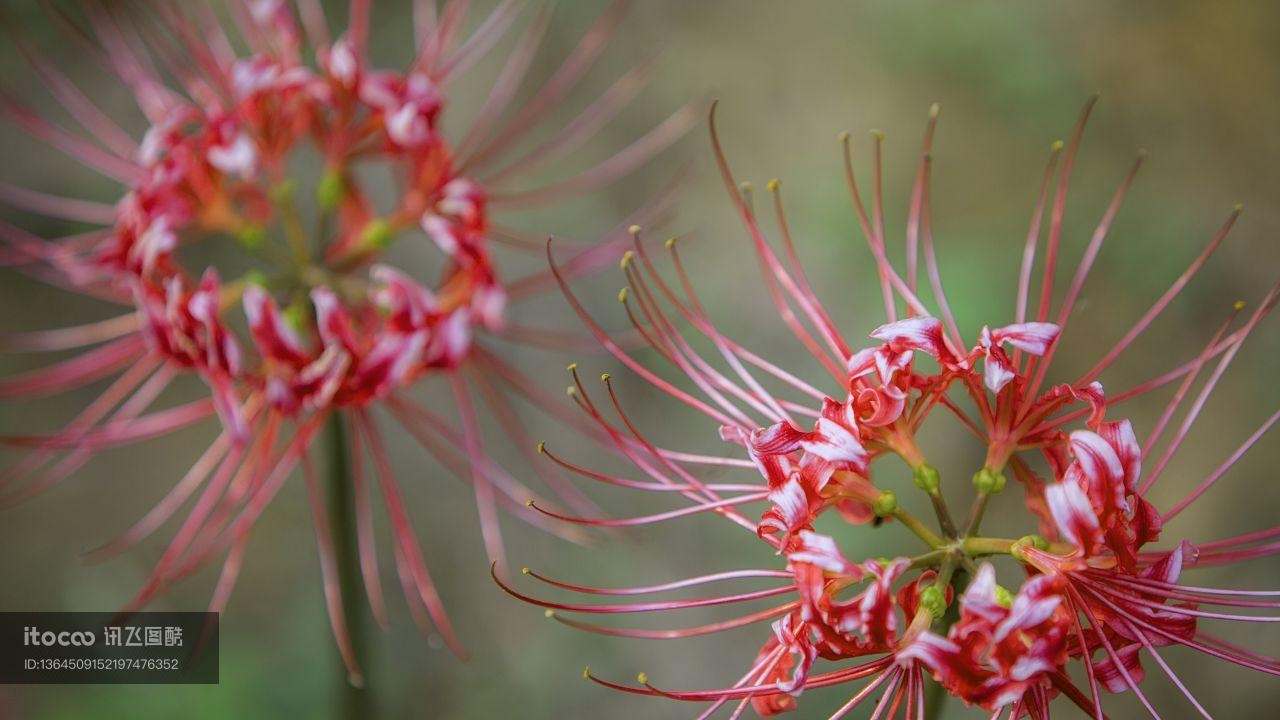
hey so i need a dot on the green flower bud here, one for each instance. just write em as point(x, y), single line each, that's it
point(256, 277)
point(988, 481)
point(933, 600)
point(1027, 541)
point(1003, 596)
point(284, 191)
point(885, 504)
point(329, 190)
point(927, 479)
point(296, 316)
point(251, 237)
point(376, 235)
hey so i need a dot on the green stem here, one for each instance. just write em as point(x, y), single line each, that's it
point(975, 516)
point(355, 702)
point(935, 701)
point(987, 546)
point(944, 516)
point(912, 523)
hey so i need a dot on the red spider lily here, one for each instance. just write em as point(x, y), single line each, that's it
point(329, 329)
point(1092, 598)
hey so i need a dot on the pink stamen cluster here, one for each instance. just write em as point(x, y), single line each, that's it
point(268, 147)
point(1089, 597)
point(223, 168)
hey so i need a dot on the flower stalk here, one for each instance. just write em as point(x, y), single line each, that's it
point(356, 699)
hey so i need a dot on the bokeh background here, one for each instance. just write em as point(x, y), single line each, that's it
point(1197, 84)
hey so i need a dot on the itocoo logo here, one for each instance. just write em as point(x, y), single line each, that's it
point(33, 636)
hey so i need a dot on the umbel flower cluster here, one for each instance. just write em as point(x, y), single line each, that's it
point(1086, 602)
point(270, 138)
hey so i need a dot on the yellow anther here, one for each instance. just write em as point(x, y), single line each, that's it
point(622, 295)
point(773, 185)
point(528, 503)
point(843, 136)
point(642, 678)
point(878, 135)
point(571, 391)
point(934, 110)
point(549, 613)
point(1239, 305)
point(634, 229)
point(671, 242)
point(524, 571)
point(571, 367)
point(1239, 207)
point(586, 672)
point(604, 377)
point(542, 447)
point(1056, 146)
point(626, 259)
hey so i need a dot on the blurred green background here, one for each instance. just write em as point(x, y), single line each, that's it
point(1197, 84)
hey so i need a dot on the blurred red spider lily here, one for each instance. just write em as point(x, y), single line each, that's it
point(1094, 596)
point(319, 326)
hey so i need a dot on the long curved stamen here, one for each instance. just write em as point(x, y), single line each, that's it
point(643, 607)
point(1158, 307)
point(1059, 210)
point(1185, 385)
point(662, 587)
point(1033, 235)
point(679, 633)
point(1082, 271)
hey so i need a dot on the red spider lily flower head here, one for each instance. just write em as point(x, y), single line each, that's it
point(1089, 596)
point(319, 324)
